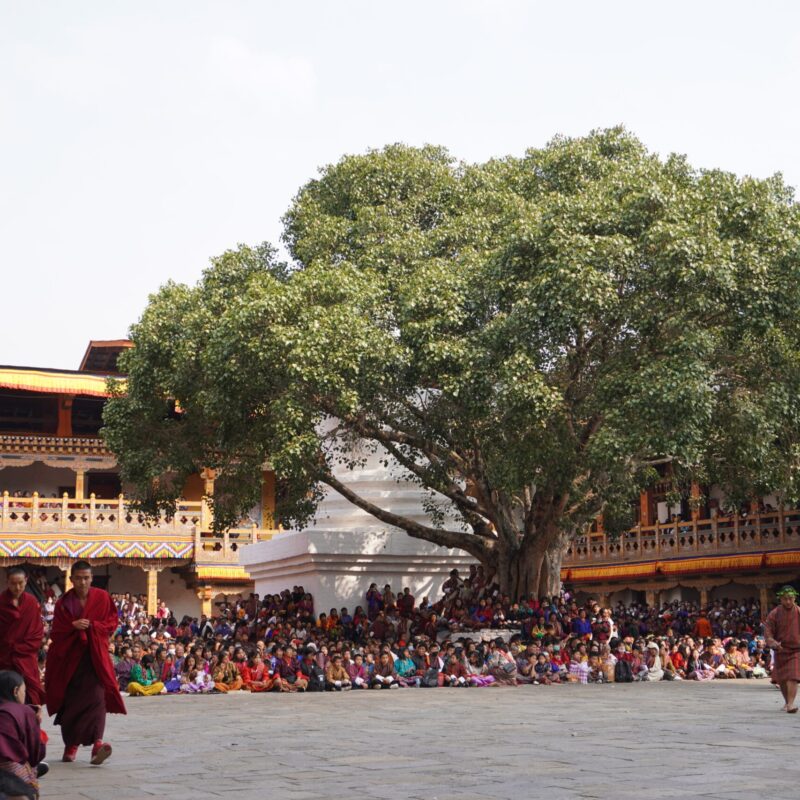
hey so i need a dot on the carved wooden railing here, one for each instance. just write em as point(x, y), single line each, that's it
point(59, 518)
point(44, 443)
point(757, 532)
point(34, 514)
point(223, 548)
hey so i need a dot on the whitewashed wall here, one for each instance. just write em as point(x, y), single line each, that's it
point(337, 567)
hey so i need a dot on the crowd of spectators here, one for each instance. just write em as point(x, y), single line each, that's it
point(472, 636)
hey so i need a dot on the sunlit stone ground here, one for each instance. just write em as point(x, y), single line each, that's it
point(725, 740)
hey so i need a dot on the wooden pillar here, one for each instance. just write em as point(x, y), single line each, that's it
point(703, 597)
point(152, 590)
point(67, 580)
point(644, 509)
point(64, 428)
point(695, 496)
point(650, 597)
point(763, 599)
point(268, 500)
point(206, 595)
point(80, 475)
point(206, 515)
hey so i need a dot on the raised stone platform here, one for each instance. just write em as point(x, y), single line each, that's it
point(725, 740)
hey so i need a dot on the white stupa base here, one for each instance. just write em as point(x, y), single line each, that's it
point(337, 567)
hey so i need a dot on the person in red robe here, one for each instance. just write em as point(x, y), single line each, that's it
point(80, 683)
point(22, 747)
point(782, 634)
point(21, 633)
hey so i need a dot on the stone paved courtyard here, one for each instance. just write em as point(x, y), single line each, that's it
point(724, 740)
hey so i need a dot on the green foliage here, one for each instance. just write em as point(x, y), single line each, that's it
point(535, 329)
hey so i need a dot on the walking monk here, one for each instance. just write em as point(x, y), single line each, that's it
point(21, 633)
point(783, 636)
point(79, 678)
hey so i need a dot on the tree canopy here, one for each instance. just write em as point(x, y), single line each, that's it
point(520, 338)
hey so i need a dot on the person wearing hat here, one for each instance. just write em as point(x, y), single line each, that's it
point(655, 671)
point(783, 636)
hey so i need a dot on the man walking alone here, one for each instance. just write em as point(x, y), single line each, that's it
point(783, 636)
point(79, 678)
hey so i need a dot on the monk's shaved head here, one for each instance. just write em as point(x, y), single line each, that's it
point(17, 579)
point(81, 577)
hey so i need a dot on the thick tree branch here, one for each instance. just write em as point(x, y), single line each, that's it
point(382, 431)
point(476, 546)
point(452, 491)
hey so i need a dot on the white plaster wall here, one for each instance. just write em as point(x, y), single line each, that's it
point(179, 599)
point(125, 579)
point(337, 567)
point(668, 595)
point(733, 591)
point(627, 596)
point(36, 478)
point(171, 588)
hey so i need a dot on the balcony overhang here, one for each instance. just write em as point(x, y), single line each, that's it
point(51, 381)
point(33, 546)
point(684, 567)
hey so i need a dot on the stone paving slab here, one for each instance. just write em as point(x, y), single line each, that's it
point(717, 741)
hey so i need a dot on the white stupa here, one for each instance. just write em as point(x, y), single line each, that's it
point(345, 549)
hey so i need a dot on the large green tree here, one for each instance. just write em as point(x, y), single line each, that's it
point(520, 338)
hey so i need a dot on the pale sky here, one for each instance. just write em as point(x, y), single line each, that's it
point(138, 139)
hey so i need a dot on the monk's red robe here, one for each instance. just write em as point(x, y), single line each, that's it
point(21, 632)
point(71, 648)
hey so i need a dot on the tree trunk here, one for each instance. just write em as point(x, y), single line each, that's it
point(550, 578)
point(532, 568)
point(506, 568)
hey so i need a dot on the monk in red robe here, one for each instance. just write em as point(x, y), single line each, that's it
point(79, 677)
point(782, 634)
point(21, 632)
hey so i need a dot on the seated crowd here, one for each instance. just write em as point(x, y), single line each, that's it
point(470, 637)
point(279, 644)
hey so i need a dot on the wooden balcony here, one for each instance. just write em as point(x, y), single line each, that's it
point(223, 548)
point(721, 535)
point(66, 514)
point(15, 443)
point(34, 527)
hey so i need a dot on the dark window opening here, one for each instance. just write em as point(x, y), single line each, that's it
point(87, 416)
point(23, 412)
point(103, 485)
